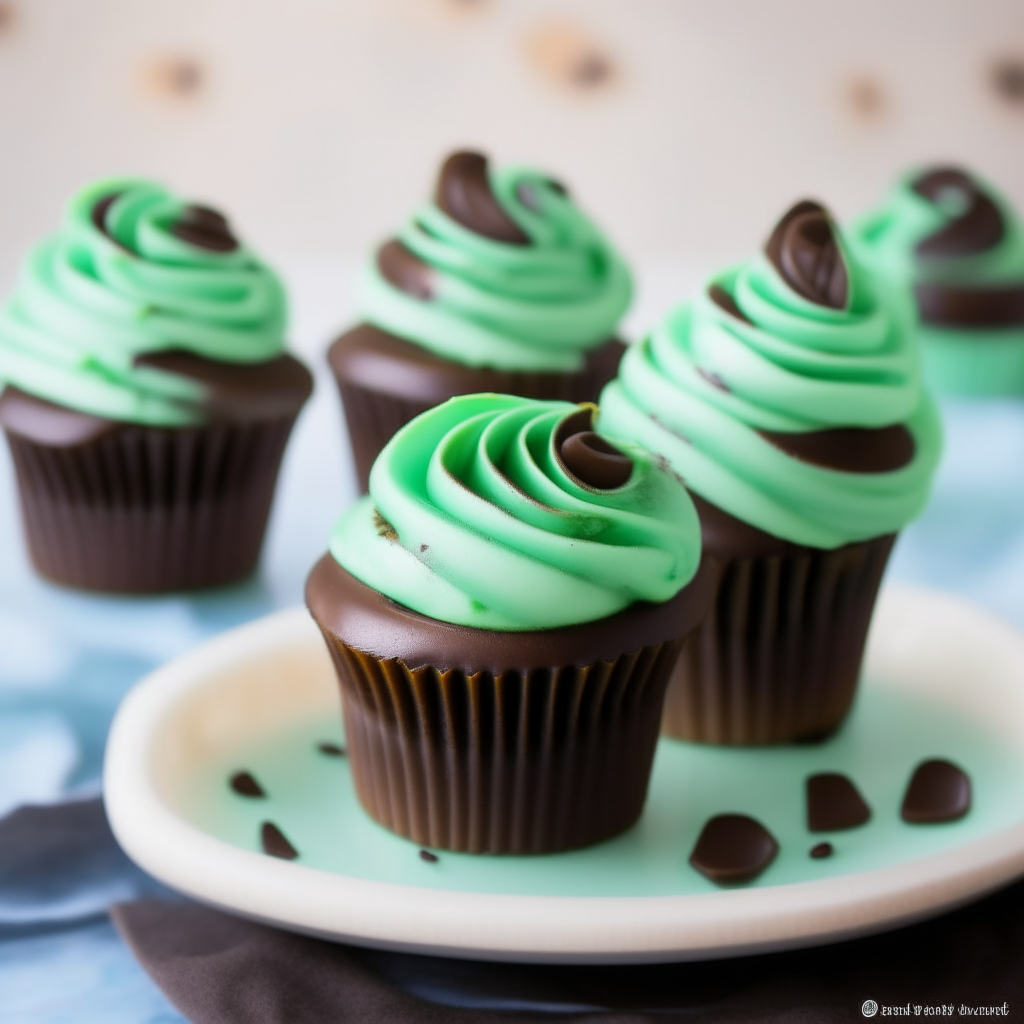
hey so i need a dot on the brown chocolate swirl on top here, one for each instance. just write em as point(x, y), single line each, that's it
point(804, 251)
point(587, 457)
point(464, 193)
point(849, 449)
point(205, 228)
point(978, 228)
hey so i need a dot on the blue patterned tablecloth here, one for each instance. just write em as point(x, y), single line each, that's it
point(67, 658)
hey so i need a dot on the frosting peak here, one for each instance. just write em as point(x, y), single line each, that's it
point(511, 514)
point(501, 269)
point(134, 271)
point(787, 393)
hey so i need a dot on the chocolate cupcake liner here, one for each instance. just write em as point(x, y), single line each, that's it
point(145, 509)
point(530, 761)
point(970, 364)
point(778, 656)
point(375, 414)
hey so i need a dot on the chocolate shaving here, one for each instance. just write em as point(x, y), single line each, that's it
point(245, 784)
point(834, 803)
point(331, 749)
point(804, 250)
point(938, 791)
point(464, 193)
point(204, 228)
point(275, 843)
point(978, 228)
point(430, 858)
point(821, 850)
point(733, 848)
point(848, 449)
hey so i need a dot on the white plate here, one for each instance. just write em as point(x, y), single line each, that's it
point(942, 679)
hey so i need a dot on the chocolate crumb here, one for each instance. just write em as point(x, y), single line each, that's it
point(244, 784)
point(424, 547)
point(275, 843)
point(938, 791)
point(331, 749)
point(430, 858)
point(733, 848)
point(821, 850)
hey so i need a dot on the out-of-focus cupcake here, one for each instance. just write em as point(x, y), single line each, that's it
point(498, 284)
point(147, 395)
point(503, 611)
point(958, 246)
point(787, 395)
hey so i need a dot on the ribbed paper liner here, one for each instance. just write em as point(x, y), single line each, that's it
point(145, 509)
point(374, 417)
point(778, 656)
point(523, 762)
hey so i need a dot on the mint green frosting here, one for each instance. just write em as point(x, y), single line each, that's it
point(472, 519)
point(513, 307)
point(87, 304)
point(797, 367)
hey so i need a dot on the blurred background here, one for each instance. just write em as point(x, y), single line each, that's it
point(685, 127)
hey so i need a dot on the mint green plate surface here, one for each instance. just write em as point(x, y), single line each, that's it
point(942, 680)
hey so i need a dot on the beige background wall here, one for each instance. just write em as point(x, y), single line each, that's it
point(684, 126)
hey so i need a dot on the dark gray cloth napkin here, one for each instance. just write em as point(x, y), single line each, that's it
point(221, 970)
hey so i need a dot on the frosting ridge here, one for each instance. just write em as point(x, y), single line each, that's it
point(799, 340)
point(501, 269)
point(475, 517)
point(134, 270)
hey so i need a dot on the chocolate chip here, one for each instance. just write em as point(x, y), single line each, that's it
point(331, 749)
point(244, 784)
point(594, 462)
point(834, 803)
point(733, 848)
point(205, 229)
point(464, 193)
point(821, 850)
point(430, 858)
point(274, 842)
point(713, 379)
point(938, 791)
point(804, 250)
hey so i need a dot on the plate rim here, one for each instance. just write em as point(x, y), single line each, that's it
point(501, 926)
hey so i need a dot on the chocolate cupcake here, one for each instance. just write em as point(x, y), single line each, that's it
point(788, 396)
point(148, 397)
point(499, 284)
point(503, 611)
point(957, 246)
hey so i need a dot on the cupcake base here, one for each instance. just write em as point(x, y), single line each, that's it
point(488, 742)
point(125, 508)
point(385, 381)
point(778, 657)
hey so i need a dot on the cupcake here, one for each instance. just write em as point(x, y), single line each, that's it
point(500, 283)
point(147, 396)
point(957, 245)
point(787, 395)
point(503, 611)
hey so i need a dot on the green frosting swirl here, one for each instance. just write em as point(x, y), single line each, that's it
point(120, 279)
point(513, 307)
point(703, 384)
point(472, 518)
